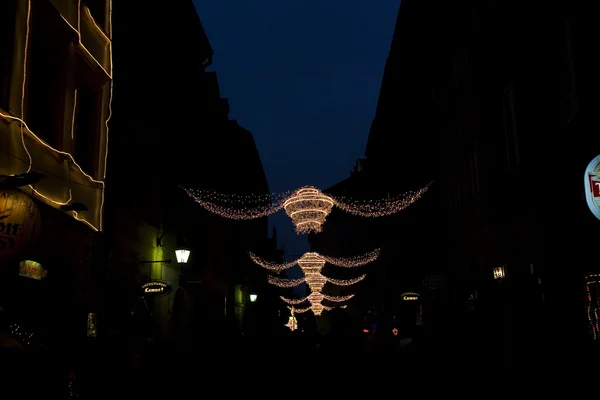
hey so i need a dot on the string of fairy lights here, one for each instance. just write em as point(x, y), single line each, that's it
point(307, 207)
point(592, 286)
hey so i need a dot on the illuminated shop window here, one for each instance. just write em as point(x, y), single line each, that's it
point(32, 269)
point(91, 325)
point(499, 272)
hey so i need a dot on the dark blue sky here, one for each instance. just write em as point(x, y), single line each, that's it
point(303, 76)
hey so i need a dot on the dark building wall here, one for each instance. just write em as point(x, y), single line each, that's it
point(171, 127)
point(485, 101)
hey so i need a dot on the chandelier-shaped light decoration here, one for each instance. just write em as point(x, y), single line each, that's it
point(308, 207)
point(311, 264)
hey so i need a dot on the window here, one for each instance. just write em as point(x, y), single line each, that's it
point(48, 58)
point(510, 129)
point(86, 130)
point(7, 33)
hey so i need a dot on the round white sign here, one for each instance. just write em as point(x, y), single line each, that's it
point(592, 186)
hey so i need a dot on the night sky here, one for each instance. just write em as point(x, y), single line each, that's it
point(303, 76)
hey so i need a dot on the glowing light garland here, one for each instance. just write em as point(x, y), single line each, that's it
point(285, 283)
point(269, 265)
point(353, 262)
point(315, 282)
point(346, 282)
point(592, 309)
point(312, 259)
point(23, 125)
point(316, 302)
point(308, 207)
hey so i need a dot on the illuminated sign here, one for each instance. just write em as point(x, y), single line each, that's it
point(32, 269)
point(499, 272)
point(592, 186)
point(19, 223)
point(410, 296)
point(156, 288)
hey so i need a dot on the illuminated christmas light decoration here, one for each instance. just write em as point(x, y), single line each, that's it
point(269, 265)
point(284, 283)
point(346, 282)
point(315, 281)
point(592, 286)
point(353, 262)
point(311, 264)
point(30, 134)
point(311, 261)
point(308, 207)
point(292, 322)
point(301, 310)
point(382, 207)
point(293, 301)
point(316, 301)
point(338, 298)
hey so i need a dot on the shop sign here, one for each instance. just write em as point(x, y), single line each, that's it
point(156, 288)
point(410, 296)
point(592, 186)
point(19, 223)
point(32, 269)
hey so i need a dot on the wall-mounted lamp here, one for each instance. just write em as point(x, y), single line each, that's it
point(253, 297)
point(182, 254)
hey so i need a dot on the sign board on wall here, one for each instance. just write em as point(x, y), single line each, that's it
point(156, 288)
point(19, 223)
point(592, 186)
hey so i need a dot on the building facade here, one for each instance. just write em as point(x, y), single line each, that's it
point(55, 95)
point(171, 129)
point(476, 99)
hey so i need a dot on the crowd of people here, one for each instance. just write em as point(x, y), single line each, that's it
point(139, 366)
